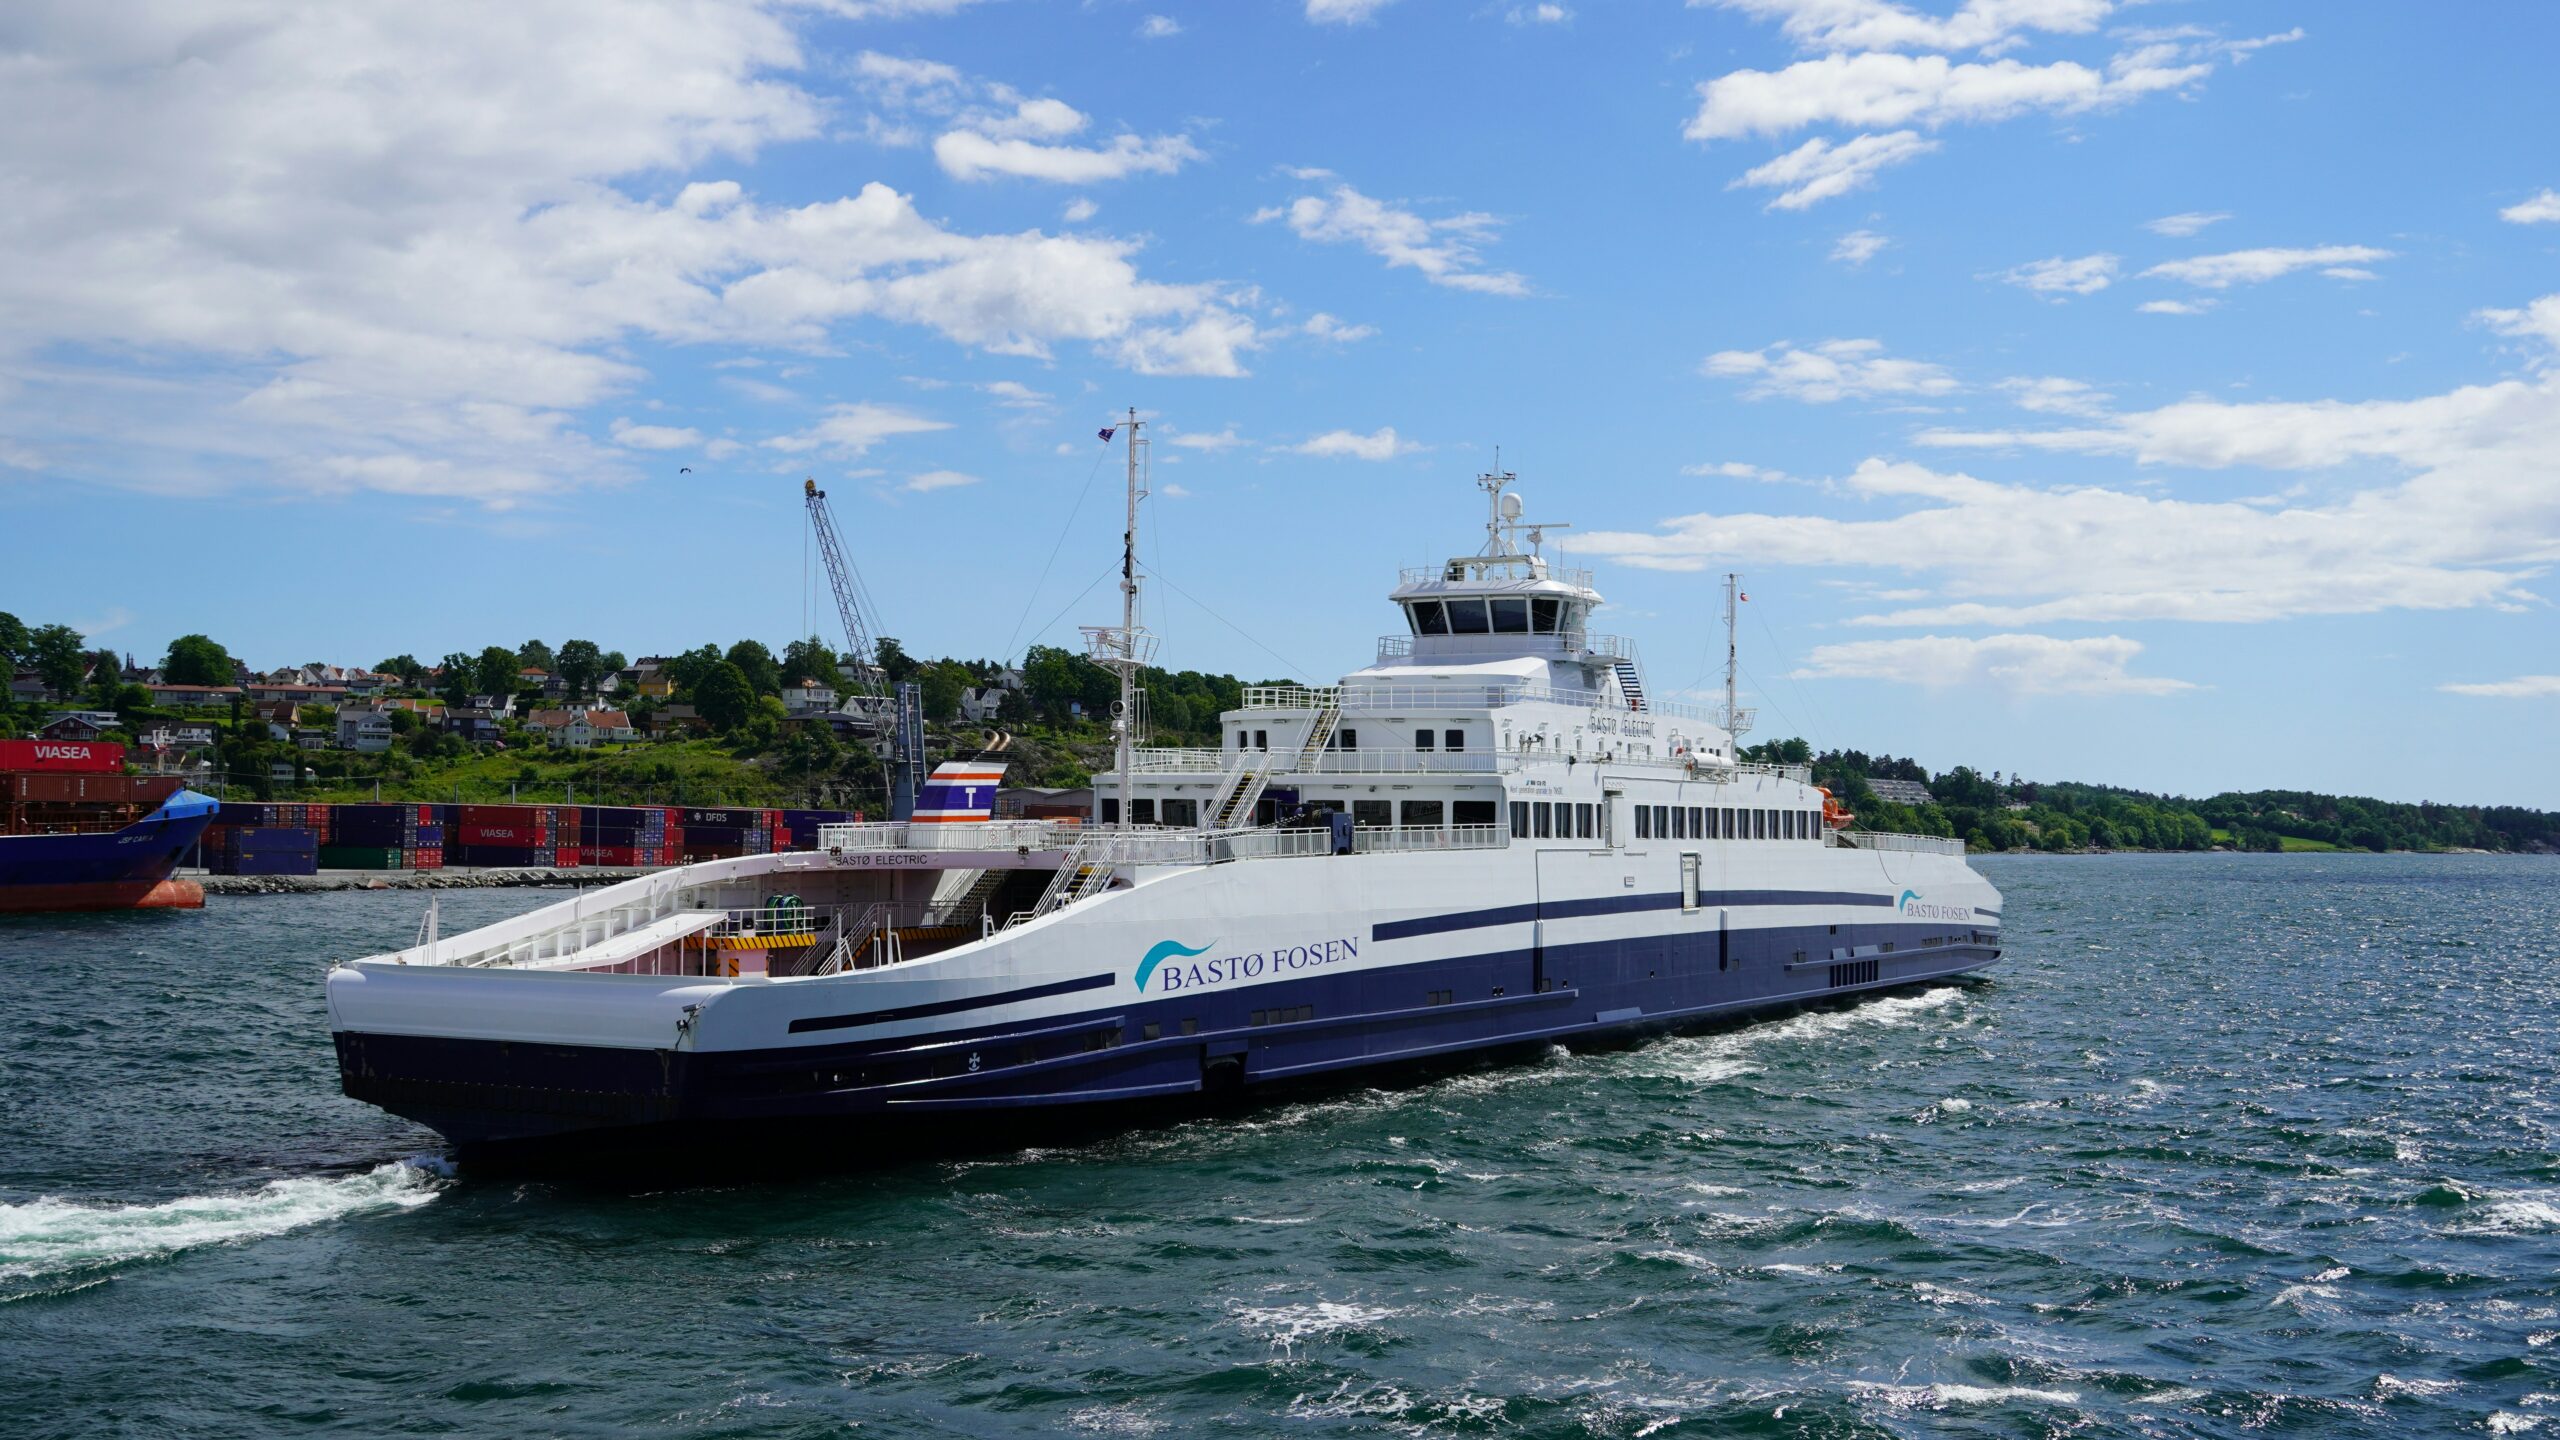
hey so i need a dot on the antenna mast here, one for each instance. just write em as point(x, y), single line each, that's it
point(1736, 719)
point(1126, 647)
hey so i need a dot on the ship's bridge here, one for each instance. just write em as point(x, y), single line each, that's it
point(1505, 603)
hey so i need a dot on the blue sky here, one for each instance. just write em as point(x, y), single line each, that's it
point(2152, 393)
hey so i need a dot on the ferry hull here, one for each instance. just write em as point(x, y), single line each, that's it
point(516, 1102)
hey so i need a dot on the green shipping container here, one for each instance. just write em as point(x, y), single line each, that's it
point(363, 857)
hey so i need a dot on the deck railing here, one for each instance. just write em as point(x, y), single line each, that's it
point(1889, 840)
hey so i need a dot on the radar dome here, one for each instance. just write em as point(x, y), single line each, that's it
point(1511, 507)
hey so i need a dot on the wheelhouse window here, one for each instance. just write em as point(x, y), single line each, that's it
point(1510, 617)
point(1142, 812)
point(1475, 812)
point(1368, 813)
point(1181, 812)
point(1544, 610)
point(1422, 814)
point(1422, 739)
point(1429, 618)
point(1661, 822)
point(1466, 617)
point(1453, 740)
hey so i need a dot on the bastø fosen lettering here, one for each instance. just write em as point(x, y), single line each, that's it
point(1277, 961)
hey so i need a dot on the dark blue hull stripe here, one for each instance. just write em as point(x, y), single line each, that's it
point(1613, 905)
point(949, 1007)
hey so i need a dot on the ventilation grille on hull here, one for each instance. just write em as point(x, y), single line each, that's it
point(1854, 972)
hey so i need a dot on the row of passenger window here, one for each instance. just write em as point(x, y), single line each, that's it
point(1350, 740)
point(1709, 822)
point(1556, 820)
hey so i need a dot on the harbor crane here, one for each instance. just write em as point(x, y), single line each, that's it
point(869, 698)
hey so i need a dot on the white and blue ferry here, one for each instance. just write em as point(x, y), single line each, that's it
point(1490, 840)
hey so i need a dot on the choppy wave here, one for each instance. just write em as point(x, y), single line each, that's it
point(49, 1238)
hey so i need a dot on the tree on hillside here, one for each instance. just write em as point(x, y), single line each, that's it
point(13, 640)
point(723, 697)
point(535, 654)
point(196, 660)
point(942, 683)
point(809, 659)
point(611, 662)
point(893, 659)
point(494, 673)
point(688, 668)
point(758, 665)
point(54, 652)
point(810, 751)
point(580, 663)
point(406, 666)
point(461, 673)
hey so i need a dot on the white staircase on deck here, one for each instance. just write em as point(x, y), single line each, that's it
point(1242, 788)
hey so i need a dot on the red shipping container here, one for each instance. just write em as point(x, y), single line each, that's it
point(96, 757)
point(565, 857)
point(426, 859)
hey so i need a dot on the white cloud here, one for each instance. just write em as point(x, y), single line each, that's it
point(1380, 444)
point(2537, 321)
point(992, 130)
point(1443, 250)
point(1014, 395)
point(1226, 439)
point(1877, 25)
point(2474, 519)
point(933, 480)
point(2176, 307)
point(1831, 370)
point(1735, 470)
point(1882, 89)
point(1079, 210)
point(1172, 491)
point(2250, 267)
point(653, 437)
point(850, 430)
point(2020, 664)
point(1863, 83)
point(2523, 687)
point(2054, 395)
point(1345, 12)
point(2085, 276)
point(1159, 27)
point(345, 272)
point(1544, 13)
point(1859, 246)
point(2191, 222)
point(1321, 326)
point(2542, 209)
point(1021, 145)
point(1818, 170)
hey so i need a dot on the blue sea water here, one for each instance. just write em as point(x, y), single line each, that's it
point(2227, 1145)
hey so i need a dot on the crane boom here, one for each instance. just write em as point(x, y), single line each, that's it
point(862, 651)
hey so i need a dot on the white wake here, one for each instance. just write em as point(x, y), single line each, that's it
point(48, 1237)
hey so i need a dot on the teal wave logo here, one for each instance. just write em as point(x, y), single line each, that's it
point(1904, 903)
point(1160, 952)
